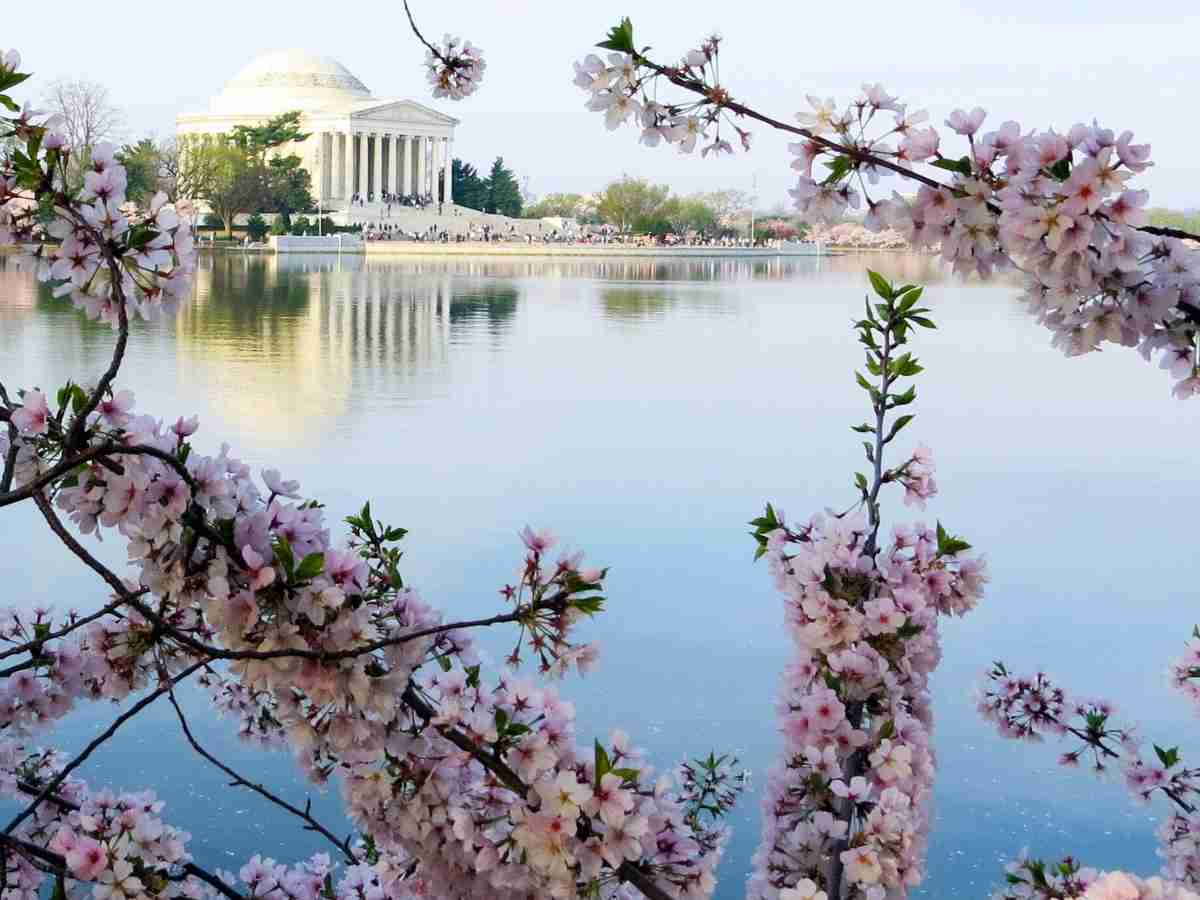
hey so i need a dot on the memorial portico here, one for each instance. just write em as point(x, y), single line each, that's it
point(358, 144)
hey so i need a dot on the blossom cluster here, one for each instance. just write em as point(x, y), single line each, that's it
point(1058, 207)
point(560, 821)
point(856, 775)
point(1032, 708)
point(454, 69)
point(116, 842)
point(617, 85)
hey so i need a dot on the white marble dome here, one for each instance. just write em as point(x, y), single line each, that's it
point(289, 79)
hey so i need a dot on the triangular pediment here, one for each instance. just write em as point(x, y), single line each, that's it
point(406, 111)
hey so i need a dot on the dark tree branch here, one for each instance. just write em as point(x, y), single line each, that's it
point(311, 824)
point(87, 751)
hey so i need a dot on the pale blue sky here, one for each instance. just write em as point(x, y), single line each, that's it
point(1043, 63)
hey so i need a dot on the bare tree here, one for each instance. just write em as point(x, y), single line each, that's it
point(88, 115)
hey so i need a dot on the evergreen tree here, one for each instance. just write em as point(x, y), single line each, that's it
point(503, 192)
point(467, 187)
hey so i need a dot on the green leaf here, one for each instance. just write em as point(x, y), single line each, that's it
point(603, 764)
point(922, 321)
point(910, 298)
point(287, 559)
point(1062, 169)
point(311, 566)
point(962, 165)
point(839, 167)
point(909, 629)
point(860, 481)
point(906, 366)
point(906, 398)
point(881, 285)
point(1169, 757)
point(620, 37)
point(900, 422)
point(864, 428)
point(628, 775)
point(948, 544)
point(444, 662)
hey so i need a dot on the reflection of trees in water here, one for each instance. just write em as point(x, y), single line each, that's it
point(492, 305)
point(633, 304)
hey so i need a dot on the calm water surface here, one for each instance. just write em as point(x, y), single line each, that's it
point(644, 411)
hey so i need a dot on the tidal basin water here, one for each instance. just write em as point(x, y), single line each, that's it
point(644, 411)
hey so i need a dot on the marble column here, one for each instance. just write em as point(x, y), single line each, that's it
point(347, 146)
point(409, 144)
point(360, 184)
point(377, 179)
point(433, 166)
point(422, 166)
point(448, 175)
point(326, 165)
point(397, 163)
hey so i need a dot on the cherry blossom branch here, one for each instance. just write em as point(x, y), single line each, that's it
point(95, 743)
point(721, 100)
point(48, 857)
point(420, 37)
point(311, 824)
point(34, 646)
point(626, 872)
point(454, 71)
point(58, 800)
point(76, 436)
point(556, 604)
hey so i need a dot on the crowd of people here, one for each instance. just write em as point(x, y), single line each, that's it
point(389, 200)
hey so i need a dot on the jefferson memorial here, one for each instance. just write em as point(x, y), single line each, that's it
point(359, 144)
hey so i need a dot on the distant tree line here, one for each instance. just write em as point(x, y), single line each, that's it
point(636, 205)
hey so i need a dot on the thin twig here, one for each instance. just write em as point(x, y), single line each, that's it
point(34, 645)
point(87, 751)
point(238, 781)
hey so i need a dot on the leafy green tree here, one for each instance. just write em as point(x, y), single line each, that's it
point(571, 206)
point(301, 225)
point(142, 162)
point(288, 185)
point(275, 132)
point(468, 188)
point(256, 227)
point(233, 182)
point(503, 192)
point(282, 224)
point(632, 204)
point(691, 214)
